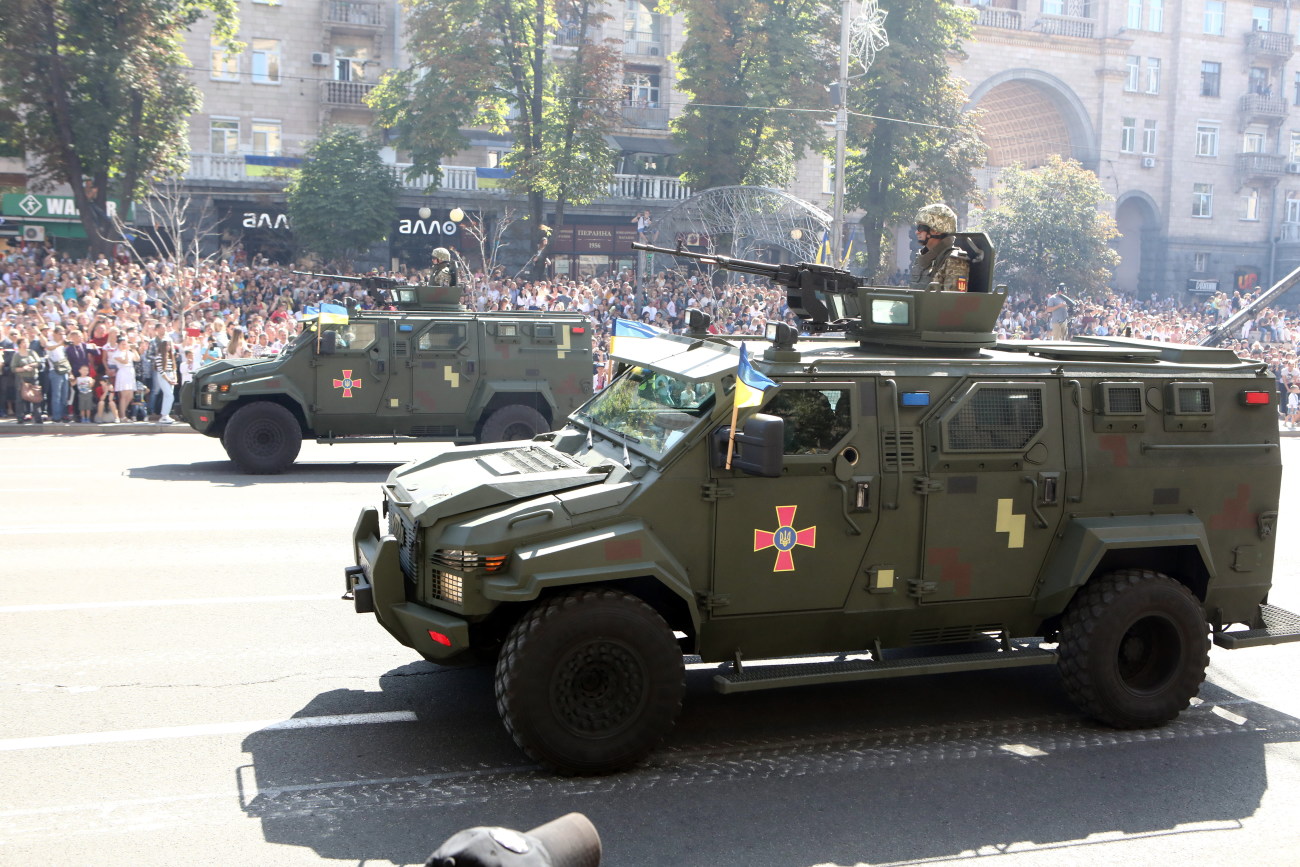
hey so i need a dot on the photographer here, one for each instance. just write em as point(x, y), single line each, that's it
point(1058, 309)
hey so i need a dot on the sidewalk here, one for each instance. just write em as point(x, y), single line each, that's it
point(11, 427)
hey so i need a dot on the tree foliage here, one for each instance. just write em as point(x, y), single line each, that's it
point(488, 63)
point(344, 198)
point(1048, 228)
point(102, 95)
point(745, 64)
point(910, 141)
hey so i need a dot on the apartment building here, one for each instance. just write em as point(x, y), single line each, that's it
point(1187, 110)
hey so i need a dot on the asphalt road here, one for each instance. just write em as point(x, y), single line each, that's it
point(182, 685)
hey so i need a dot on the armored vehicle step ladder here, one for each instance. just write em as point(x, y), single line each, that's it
point(750, 678)
point(1280, 627)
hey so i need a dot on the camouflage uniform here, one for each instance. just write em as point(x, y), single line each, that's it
point(440, 275)
point(945, 264)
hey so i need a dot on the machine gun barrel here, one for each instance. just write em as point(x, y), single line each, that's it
point(368, 281)
point(790, 276)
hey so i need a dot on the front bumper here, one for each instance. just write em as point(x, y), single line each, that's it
point(376, 583)
point(201, 419)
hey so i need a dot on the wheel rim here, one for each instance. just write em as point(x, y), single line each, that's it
point(517, 431)
point(265, 440)
point(598, 689)
point(1149, 654)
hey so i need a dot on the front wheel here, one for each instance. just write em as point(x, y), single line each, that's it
point(590, 682)
point(262, 438)
point(513, 422)
point(1133, 648)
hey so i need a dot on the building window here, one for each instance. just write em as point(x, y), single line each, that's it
point(1153, 75)
point(1200, 262)
point(1252, 142)
point(1134, 20)
point(1155, 15)
point(266, 138)
point(266, 61)
point(494, 158)
point(641, 89)
point(1293, 153)
point(1296, 98)
point(1128, 135)
point(225, 64)
point(1148, 136)
point(1261, 18)
point(1210, 74)
point(224, 136)
point(1250, 204)
point(1133, 67)
point(1257, 81)
point(1214, 17)
point(1203, 200)
point(1207, 140)
point(1292, 209)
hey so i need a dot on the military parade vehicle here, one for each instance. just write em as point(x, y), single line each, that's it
point(893, 493)
point(426, 370)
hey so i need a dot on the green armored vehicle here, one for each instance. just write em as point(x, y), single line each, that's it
point(427, 370)
point(906, 496)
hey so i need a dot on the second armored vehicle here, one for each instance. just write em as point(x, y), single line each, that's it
point(910, 497)
point(427, 370)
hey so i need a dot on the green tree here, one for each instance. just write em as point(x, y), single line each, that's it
point(490, 63)
point(344, 198)
point(910, 141)
point(103, 94)
point(745, 64)
point(1048, 228)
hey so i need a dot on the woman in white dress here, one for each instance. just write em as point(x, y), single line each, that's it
point(124, 380)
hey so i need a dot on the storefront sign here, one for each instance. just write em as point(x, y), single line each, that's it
point(593, 239)
point(36, 207)
point(430, 226)
point(1203, 287)
point(265, 220)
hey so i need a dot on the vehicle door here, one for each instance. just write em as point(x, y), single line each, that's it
point(446, 367)
point(351, 379)
point(795, 543)
point(994, 483)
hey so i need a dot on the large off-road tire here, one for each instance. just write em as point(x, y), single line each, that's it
point(590, 682)
point(1133, 648)
point(513, 422)
point(262, 438)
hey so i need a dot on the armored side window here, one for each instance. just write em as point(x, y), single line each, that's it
point(994, 417)
point(816, 419)
point(353, 336)
point(442, 336)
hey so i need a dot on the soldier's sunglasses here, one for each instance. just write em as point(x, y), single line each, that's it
point(922, 227)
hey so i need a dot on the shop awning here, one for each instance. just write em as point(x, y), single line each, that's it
point(645, 145)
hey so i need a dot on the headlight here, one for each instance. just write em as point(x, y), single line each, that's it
point(212, 387)
point(467, 560)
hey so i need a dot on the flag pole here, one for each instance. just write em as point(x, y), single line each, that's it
point(731, 432)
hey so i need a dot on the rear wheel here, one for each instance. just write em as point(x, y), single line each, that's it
point(1133, 648)
point(262, 438)
point(590, 682)
point(513, 422)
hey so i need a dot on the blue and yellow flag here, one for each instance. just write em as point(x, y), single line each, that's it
point(629, 329)
point(750, 384)
point(307, 314)
point(824, 248)
point(333, 314)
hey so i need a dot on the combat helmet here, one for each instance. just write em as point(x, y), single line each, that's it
point(441, 254)
point(938, 218)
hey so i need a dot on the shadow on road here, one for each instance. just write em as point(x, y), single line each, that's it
point(224, 473)
point(924, 768)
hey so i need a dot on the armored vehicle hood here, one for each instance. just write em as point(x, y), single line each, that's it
point(465, 479)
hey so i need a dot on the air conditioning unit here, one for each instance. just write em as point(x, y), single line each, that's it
point(1148, 162)
point(35, 234)
point(320, 58)
point(1293, 168)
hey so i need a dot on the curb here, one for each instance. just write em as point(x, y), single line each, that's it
point(10, 427)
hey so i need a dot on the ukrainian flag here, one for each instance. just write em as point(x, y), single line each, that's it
point(630, 329)
point(308, 313)
point(333, 314)
point(750, 384)
point(824, 248)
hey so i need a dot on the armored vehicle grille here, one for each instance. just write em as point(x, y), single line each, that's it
point(1193, 399)
point(448, 587)
point(408, 540)
point(433, 430)
point(900, 449)
point(947, 634)
point(534, 460)
point(996, 418)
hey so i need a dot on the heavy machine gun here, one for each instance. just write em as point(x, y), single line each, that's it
point(1233, 323)
point(403, 296)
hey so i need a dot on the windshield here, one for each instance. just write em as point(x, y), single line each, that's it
point(653, 410)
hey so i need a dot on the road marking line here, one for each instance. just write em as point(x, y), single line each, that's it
point(158, 603)
point(205, 729)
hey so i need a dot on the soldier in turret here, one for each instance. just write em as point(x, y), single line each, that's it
point(939, 260)
point(442, 273)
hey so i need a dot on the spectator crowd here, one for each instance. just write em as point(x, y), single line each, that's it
point(111, 340)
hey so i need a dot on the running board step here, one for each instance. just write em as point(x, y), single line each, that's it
point(1280, 626)
point(754, 677)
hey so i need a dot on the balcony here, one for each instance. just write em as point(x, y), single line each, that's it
point(637, 43)
point(1289, 233)
point(1258, 108)
point(1266, 166)
point(345, 94)
point(1066, 25)
point(353, 16)
point(1277, 46)
point(645, 117)
point(1003, 19)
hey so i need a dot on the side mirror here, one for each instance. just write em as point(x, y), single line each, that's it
point(760, 446)
point(328, 342)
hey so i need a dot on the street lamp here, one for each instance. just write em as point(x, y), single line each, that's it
point(425, 213)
